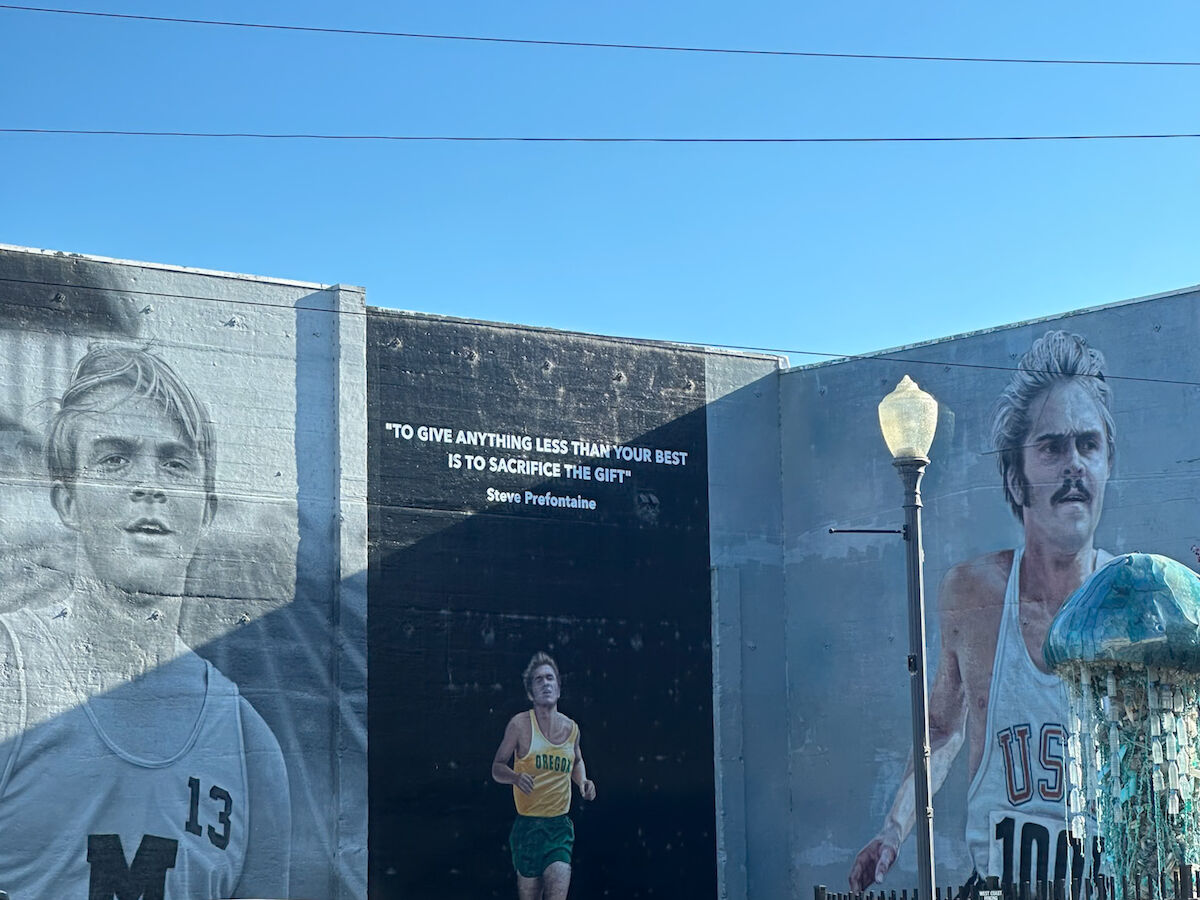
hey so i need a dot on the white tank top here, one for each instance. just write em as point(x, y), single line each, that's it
point(1016, 814)
point(84, 816)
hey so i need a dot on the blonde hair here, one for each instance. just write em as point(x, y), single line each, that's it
point(145, 375)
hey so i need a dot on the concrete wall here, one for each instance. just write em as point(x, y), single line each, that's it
point(471, 424)
point(749, 671)
point(809, 692)
point(846, 638)
point(266, 586)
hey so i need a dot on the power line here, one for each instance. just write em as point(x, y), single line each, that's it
point(363, 32)
point(313, 136)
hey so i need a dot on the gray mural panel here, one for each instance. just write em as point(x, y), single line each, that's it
point(749, 680)
point(182, 516)
point(1095, 466)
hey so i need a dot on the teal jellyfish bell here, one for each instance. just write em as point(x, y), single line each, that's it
point(1140, 609)
point(1127, 646)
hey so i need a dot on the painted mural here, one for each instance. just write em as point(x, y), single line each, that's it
point(994, 698)
point(1059, 444)
point(541, 664)
point(170, 712)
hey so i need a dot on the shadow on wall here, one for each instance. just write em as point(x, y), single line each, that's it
point(463, 592)
point(174, 756)
point(214, 737)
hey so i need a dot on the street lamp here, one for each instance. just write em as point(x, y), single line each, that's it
point(908, 418)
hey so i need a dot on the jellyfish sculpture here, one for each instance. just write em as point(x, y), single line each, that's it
point(1127, 643)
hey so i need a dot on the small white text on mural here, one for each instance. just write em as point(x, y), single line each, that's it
point(556, 457)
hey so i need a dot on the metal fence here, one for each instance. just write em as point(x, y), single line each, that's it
point(1178, 885)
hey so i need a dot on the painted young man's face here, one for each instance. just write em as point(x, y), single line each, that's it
point(544, 688)
point(1066, 467)
point(138, 501)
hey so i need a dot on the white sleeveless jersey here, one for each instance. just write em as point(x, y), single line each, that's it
point(1016, 811)
point(84, 818)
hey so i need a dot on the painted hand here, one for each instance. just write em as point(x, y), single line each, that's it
point(872, 863)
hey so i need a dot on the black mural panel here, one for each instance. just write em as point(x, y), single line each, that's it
point(537, 491)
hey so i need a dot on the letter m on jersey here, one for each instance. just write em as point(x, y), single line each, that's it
point(143, 879)
point(1014, 744)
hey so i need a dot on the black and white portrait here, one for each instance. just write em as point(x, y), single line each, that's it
point(176, 615)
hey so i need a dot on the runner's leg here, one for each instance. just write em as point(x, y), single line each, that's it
point(529, 888)
point(556, 879)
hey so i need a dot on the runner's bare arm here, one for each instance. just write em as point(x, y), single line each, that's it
point(947, 731)
point(502, 770)
point(587, 788)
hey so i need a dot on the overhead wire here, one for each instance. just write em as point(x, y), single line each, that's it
point(605, 45)
point(579, 139)
point(594, 139)
point(882, 356)
point(551, 139)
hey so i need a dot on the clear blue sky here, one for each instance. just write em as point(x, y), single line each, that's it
point(843, 248)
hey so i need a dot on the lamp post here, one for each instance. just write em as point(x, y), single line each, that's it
point(908, 418)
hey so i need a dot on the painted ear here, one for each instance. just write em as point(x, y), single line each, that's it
point(62, 497)
point(1017, 487)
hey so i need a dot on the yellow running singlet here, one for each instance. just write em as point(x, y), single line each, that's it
point(550, 765)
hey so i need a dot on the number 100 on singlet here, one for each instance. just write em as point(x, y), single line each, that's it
point(1028, 849)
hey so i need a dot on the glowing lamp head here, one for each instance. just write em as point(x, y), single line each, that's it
point(908, 419)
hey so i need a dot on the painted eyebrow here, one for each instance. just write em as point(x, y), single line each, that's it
point(122, 442)
point(113, 442)
point(1065, 435)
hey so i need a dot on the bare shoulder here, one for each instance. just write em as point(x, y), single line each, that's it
point(520, 724)
point(571, 728)
point(976, 585)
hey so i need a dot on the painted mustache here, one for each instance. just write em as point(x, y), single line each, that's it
point(1071, 490)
